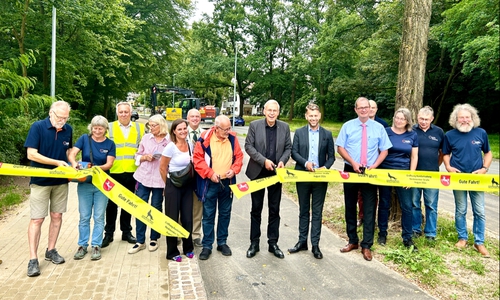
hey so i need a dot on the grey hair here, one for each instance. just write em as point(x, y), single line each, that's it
point(123, 103)
point(426, 110)
point(60, 104)
point(473, 113)
point(219, 118)
point(407, 114)
point(160, 120)
point(361, 99)
point(272, 101)
point(98, 121)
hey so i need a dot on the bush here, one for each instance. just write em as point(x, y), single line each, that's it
point(13, 136)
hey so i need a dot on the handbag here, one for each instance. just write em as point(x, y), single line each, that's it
point(183, 177)
point(85, 165)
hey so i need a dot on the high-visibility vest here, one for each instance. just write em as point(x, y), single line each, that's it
point(125, 148)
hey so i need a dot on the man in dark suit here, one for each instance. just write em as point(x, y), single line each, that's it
point(269, 145)
point(312, 149)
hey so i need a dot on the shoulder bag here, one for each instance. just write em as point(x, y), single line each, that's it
point(185, 176)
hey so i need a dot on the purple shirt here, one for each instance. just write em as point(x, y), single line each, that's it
point(148, 172)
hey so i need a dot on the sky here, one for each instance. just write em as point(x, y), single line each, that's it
point(202, 6)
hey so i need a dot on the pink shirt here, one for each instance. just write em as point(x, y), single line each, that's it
point(148, 172)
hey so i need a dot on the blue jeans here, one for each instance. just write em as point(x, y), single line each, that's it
point(431, 204)
point(143, 192)
point(384, 205)
point(477, 202)
point(221, 199)
point(90, 199)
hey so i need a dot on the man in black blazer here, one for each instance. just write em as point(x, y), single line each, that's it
point(269, 145)
point(312, 149)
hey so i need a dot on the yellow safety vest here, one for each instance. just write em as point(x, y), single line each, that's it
point(125, 148)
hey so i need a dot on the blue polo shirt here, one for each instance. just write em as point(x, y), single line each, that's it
point(50, 143)
point(399, 156)
point(466, 149)
point(350, 139)
point(100, 150)
point(429, 144)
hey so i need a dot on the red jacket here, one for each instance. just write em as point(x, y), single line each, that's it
point(202, 155)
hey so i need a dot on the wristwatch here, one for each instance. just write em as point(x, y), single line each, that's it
point(484, 167)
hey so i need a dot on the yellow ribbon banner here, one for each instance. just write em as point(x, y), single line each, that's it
point(112, 189)
point(420, 179)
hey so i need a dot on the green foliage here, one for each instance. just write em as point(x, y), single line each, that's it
point(10, 194)
point(14, 132)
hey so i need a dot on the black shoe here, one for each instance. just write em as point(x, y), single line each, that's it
point(108, 238)
point(300, 246)
point(382, 240)
point(205, 254)
point(416, 234)
point(127, 236)
point(430, 238)
point(316, 252)
point(226, 251)
point(276, 251)
point(254, 248)
point(409, 244)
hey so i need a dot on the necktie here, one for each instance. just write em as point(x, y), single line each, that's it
point(364, 145)
point(195, 137)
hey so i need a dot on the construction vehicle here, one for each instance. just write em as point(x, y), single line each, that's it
point(180, 108)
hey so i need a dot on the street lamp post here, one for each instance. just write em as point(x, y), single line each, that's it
point(173, 94)
point(235, 65)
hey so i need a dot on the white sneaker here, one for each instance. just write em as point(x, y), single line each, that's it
point(136, 248)
point(153, 246)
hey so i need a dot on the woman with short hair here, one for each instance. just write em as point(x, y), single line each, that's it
point(101, 151)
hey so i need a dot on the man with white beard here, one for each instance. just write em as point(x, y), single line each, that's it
point(463, 150)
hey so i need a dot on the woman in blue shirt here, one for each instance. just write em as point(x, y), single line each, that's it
point(91, 201)
point(402, 156)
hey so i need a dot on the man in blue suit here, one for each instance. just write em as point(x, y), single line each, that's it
point(312, 149)
point(269, 145)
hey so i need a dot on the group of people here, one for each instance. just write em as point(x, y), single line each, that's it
point(146, 163)
point(365, 144)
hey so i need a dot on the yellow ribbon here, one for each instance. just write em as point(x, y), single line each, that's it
point(419, 179)
point(124, 198)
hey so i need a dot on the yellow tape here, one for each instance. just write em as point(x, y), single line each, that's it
point(112, 189)
point(420, 179)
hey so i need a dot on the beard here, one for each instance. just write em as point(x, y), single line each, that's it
point(465, 127)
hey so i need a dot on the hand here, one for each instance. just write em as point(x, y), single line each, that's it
point(280, 165)
point(310, 166)
point(215, 178)
point(480, 171)
point(147, 157)
point(61, 163)
point(230, 173)
point(452, 170)
point(269, 165)
point(358, 168)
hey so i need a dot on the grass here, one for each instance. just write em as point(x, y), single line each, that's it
point(10, 193)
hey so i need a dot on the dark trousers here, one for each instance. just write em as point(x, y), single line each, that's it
point(306, 191)
point(274, 200)
point(369, 194)
point(179, 206)
point(128, 181)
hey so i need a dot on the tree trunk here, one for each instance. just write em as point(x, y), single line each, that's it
point(412, 62)
point(292, 100)
point(413, 55)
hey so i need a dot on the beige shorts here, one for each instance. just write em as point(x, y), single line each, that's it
point(55, 196)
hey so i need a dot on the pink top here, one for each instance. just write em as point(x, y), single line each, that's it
point(148, 172)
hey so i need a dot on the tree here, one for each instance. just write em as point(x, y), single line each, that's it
point(413, 55)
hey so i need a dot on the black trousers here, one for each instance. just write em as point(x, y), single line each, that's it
point(179, 206)
point(274, 201)
point(128, 181)
point(369, 194)
point(311, 198)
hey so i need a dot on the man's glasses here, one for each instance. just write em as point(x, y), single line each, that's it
point(60, 118)
point(224, 129)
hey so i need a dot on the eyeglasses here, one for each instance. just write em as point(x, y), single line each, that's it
point(60, 118)
point(152, 125)
point(224, 129)
point(399, 119)
point(363, 108)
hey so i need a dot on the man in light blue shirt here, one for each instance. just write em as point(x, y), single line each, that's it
point(349, 143)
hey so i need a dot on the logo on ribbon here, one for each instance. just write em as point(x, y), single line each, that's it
point(445, 180)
